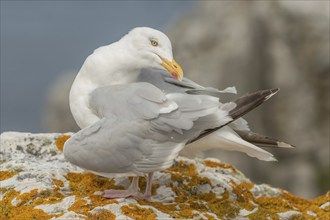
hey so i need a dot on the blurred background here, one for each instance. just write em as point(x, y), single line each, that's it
point(250, 44)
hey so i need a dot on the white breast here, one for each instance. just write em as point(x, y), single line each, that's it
point(79, 102)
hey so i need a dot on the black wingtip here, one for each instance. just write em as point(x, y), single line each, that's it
point(244, 104)
point(275, 90)
point(262, 140)
point(250, 101)
point(271, 92)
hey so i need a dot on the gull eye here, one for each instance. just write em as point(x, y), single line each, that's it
point(154, 42)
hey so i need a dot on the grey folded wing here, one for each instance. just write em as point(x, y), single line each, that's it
point(166, 83)
point(142, 129)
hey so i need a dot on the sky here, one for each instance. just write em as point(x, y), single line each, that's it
point(40, 40)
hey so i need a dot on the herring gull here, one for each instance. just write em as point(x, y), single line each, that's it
point(137, 112)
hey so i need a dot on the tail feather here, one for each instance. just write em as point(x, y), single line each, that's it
point(226, 139)
point(261, 140)
point(244, 104)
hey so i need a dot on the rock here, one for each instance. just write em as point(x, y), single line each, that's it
point(38, 183)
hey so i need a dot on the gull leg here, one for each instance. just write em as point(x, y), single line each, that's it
point(132, 190)
point(147, 194)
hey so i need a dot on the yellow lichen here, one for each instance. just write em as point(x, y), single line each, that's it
point(3, 190)
point(60, 140)
point(49, 196)
point(24, 208)
point(269, 207)
point(224, 207)
point(187, 213)
point(27, 197)
point(57, 182)
point(138, 213)
point(190, 202)
point(245, 198)
point(21, 210)
point(80, 206)
point(83, 186)
point(180, 172)
point(86, 184)
point(6, 175)
point(319, 201)
point(103, 215)
point(166, 208)
point(208, 216)
point(305, 205)
point(215, 164)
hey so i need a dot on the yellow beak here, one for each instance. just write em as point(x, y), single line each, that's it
point(173, 67)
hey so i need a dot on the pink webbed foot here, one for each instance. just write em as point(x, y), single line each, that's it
point(144, 196)
point(131, 191)
point(112, 194)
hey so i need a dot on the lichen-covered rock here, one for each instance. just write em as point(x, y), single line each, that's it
point(38, 183)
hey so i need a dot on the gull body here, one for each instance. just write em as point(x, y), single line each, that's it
point(137, 112)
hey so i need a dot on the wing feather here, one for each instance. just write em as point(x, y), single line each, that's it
point(143, 129)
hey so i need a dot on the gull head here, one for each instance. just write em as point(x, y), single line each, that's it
point(152, 49)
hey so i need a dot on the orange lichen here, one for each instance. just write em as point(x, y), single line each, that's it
point(49, 196)
point(97, 200)
point(57, 182)
point(137, 212)
point(224, 207)
point(166, 208)
point(305, 205)
point(269, 207)
point(215, 164)
point(27, 197)
point(6, 175)
point(21, 210)
point(83, 186)
point(244, 198)
point(79, 206)
point(183, 168)
point(188, 213)
point(24, 208)
point(60, 141)
point(190, 202)
point(208, 216)
point(3, 190)
point(184, 172)
point(319, 201)
point(86, 184)
point(104, 214)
